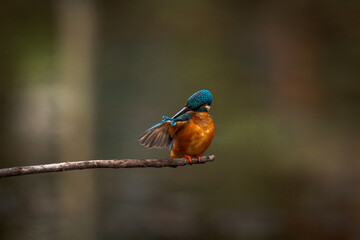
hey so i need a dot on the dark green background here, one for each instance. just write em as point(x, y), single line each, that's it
point(285, 80)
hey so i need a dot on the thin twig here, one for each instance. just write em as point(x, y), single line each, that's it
point(113, 163)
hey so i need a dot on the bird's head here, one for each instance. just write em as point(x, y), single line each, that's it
point(199, 99)
point(202, 98)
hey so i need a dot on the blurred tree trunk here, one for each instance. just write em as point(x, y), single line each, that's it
point(76, 35)
point(290, 43)
point(290, 39)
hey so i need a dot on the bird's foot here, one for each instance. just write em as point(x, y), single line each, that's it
point(188, 157)
point(198, 157)
point(172, 121)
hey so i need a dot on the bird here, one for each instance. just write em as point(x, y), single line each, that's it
point(188, 133)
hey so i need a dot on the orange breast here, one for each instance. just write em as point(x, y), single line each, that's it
point(195, 137)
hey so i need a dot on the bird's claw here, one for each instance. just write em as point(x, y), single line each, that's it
point(172, 122)
point(188, 157)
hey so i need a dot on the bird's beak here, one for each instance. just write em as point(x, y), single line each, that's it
point(183, 110)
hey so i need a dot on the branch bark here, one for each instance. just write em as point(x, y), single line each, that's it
point(113, 163)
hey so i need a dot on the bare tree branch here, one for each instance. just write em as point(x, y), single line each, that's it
point(113, 163)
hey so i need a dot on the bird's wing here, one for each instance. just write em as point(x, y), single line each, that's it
point(161, 135)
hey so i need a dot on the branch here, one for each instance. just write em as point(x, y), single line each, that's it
point(113, 163)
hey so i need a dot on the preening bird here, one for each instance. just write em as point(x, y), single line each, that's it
point(188, 133)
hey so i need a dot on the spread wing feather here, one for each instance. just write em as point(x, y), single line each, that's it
point(157, 136)
point(160, 135)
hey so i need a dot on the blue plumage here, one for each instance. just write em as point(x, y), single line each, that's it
point(199, 98)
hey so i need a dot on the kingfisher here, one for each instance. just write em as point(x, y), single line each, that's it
point(188, 133)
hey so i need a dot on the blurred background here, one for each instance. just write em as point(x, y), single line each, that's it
point(82, 79)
